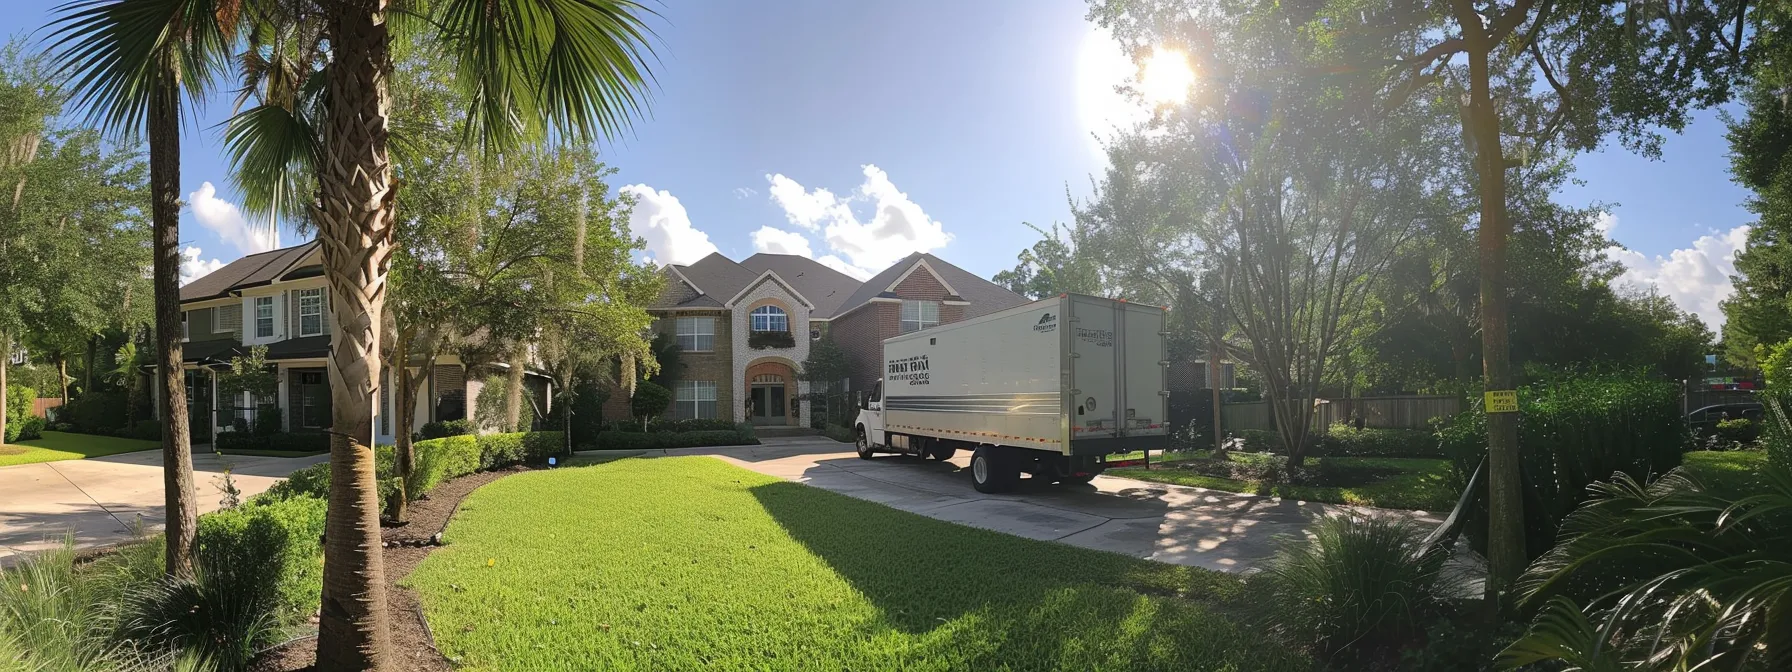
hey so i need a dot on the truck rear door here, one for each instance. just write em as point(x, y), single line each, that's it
point(1147, 401)
point(1095, 366)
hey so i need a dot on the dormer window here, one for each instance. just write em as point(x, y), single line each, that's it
point(770, 318)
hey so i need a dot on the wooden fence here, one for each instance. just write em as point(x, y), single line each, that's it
point(1400, 412)
point(41, 406)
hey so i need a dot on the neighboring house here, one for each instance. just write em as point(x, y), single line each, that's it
point(280, 300)
point(744, 328)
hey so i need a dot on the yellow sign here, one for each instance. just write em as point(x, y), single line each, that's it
point(1502, 401)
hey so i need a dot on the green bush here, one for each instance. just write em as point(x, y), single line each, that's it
point(147, 430)
point(312, 481)
point(274, 544)
point(665, 440)
point(18, 409)
point(31, 428)
point(97, 412)
point(1736, 433)
point(437, 430)
point(650, 401)
point(1343, 440)
point(1359, 584)
point(672, 426)
point(438, 460)
point(1573, 432)
point(296, 442)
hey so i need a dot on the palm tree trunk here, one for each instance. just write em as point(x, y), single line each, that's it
point(177, 451)
point(1505, 528)
point(354, 219)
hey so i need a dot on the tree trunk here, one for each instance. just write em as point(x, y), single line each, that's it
point(1216, 350)
point(62, 379)
point(93, 353)
point(354, 219)
point(513, 392)
point(398, 509)
point(5, 360)
point(182, 508)
point(1505, 526)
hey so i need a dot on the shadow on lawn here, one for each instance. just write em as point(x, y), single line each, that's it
point(1004, 600)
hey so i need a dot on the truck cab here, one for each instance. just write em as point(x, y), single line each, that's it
point(870, 424)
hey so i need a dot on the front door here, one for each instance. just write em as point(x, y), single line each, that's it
point(768, 404)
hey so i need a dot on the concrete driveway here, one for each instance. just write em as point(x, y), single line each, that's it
point(1181, 525)
point(100, 500)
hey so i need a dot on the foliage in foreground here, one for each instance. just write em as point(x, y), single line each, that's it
point(1363, 585)
point(1669, 575)
point(707, 566)
point(1572, 432)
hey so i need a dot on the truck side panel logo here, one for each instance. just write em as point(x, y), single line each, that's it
point(1047, 323)
point(912, 369)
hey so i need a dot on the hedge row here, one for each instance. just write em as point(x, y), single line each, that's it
point(664, 440)
point(673, 426)
point(270, 539)
point(1346, 441)
point(436, 460)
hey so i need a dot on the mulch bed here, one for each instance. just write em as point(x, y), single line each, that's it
point(405, 548)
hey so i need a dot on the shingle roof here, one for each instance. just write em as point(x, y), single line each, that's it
point(255, 269)
point(985, 297)
point(717, 277)
point(822, 286)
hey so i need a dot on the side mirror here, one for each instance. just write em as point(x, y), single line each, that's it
point(864, 401)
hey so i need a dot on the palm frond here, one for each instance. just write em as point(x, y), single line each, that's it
point(117, 53)
point(529, 67)
point(274, 150)
point(1561, 633)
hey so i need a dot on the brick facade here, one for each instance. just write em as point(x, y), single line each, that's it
point(861, 333)
point(768, 292)
point(713, 366)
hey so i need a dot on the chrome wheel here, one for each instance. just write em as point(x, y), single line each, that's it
point(864, 446)
point(980, 469)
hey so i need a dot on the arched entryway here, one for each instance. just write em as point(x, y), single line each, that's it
point(771, 388)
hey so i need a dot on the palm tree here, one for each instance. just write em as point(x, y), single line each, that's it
point(130, 61)
point(569, 69)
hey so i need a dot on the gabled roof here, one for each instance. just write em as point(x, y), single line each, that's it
point(715, 278)
point(985, 297)
point(249, 271)
point(822, 286)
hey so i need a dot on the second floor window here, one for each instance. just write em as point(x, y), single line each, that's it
point(918, 315)
point(770, 318)
point(264, 317)
point(311, 312)
point(696, 334)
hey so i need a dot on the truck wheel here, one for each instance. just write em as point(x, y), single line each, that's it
point(992, 471)
point(863, 445)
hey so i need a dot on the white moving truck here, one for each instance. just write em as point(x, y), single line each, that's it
point(1050, 388)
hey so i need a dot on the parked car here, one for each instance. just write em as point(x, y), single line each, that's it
point(1706, 418)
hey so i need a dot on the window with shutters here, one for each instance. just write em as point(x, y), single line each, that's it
point(264, 317)
point(311, 312)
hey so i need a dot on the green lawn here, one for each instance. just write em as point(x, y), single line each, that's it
point(1422, 483)
point(1733, 471)
point(57, 446)
point(693, 564)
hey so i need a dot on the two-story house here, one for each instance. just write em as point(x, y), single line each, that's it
point(744, 328)
point(280, 300)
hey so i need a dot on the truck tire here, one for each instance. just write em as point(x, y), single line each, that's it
point(992, 470)
point(863, 444)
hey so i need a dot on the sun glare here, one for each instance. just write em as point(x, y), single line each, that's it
point(1166, 77)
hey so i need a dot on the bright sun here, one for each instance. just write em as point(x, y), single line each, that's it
point(1166, 77)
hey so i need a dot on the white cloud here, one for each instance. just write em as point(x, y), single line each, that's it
point(897, 227)
point(745, 192)
point(779, 241)
point(1604, 223)
point(659, 218)
point(226, 220)
point(192, 268)
point(1697, 278)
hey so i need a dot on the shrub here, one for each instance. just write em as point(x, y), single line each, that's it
point(97, 412)
point(667, 425)
point(258, 567)
point(147, 430)
point(312, 481)
point(296, 442)
point(1359, 583)
point(488, 407)
point(665, 440)
point(1736, 433)
point(50, 619)
point(61, 427)
point(31, 428)
point(445, 428)
point(18, 408)
point(1572, 432)
point(588, 410)
point(503, 450)
point(650, 401)
point(1343, 440)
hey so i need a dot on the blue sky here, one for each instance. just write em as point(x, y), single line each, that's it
point(857, 132)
